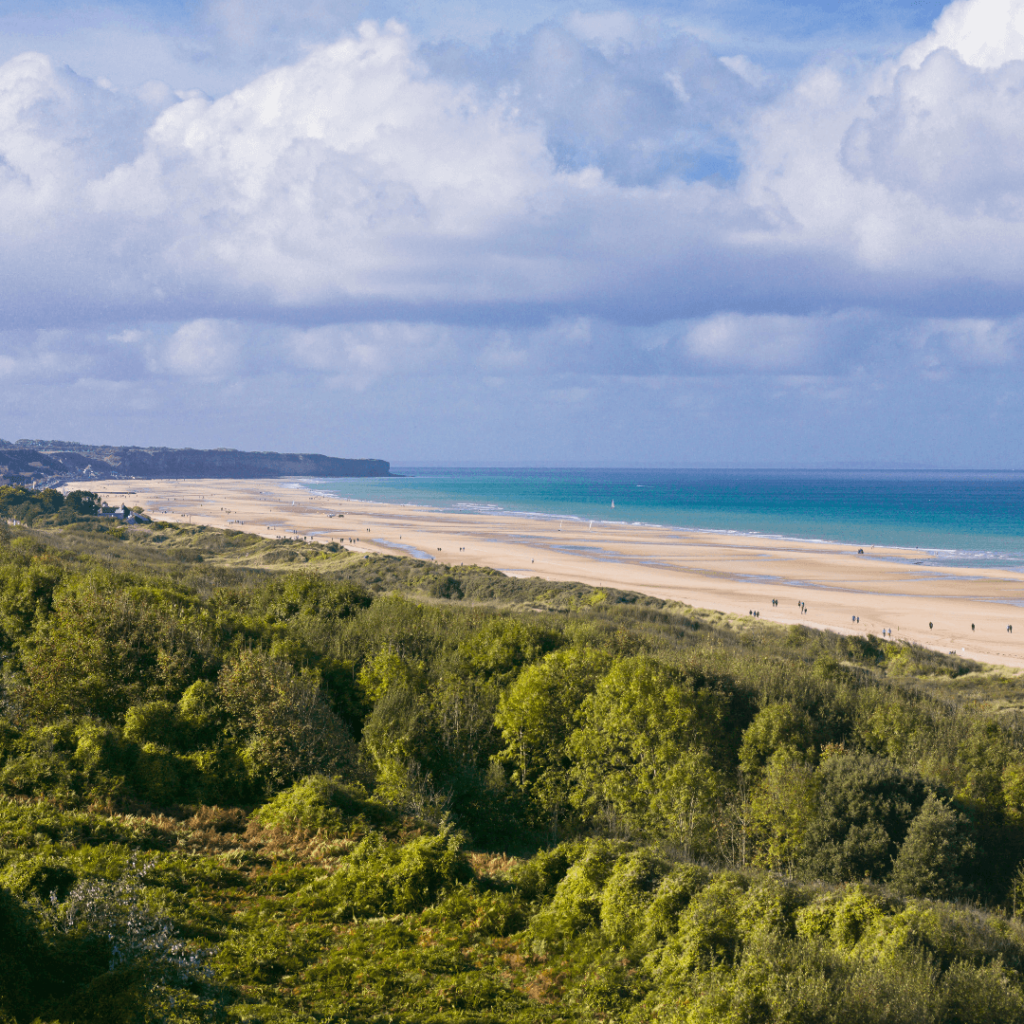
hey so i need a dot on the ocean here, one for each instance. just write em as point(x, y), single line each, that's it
point(952, 518)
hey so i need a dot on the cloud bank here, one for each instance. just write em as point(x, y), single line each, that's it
point(594, 207)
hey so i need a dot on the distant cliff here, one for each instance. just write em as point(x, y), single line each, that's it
point(54, 462)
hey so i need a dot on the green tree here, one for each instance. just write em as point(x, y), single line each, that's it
point(936, 852)
point(109, 642)
point(784, 810)
point(865, 807)
point(400, 736)
point(536, 716)
point(778, 725)
point(500, 649)
point(282, 720)
point(646, 753)
point(83, 503)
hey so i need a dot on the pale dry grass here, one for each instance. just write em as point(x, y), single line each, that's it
point(492, 865)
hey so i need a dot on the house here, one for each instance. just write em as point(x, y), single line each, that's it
point(123, 514)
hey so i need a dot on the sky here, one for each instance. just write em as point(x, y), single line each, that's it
point(748, 233)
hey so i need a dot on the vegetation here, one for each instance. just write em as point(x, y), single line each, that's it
point(256, 780)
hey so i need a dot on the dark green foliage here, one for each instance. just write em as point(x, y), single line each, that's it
point(865, 807)
point(27, 505)
point(22, 956)
point(936, 854)
point(281, 719)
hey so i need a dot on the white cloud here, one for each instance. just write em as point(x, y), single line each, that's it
point(201, 348)
point(968, 343)
point(374, 179)
point(949, 134)
point(983, 33)
point(764, 342)
point(357, 355)
point(911, 170)
point(747, 70)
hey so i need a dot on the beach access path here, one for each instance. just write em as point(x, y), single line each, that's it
point(821, 585)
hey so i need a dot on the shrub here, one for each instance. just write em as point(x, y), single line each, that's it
point(146, 958)
point(161, 776)
point(629, 893)
point(576, 907)
point(316, 804)
point(38, 876)
point(671, 898)
point(221, 775)
point(284, 720)
point(154, 722)
point(199, 709)
point(709, 928)
point(99, 747)
point(539, 877)
point(381, 877)
point(776, 726)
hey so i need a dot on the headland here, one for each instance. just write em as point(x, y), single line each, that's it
point(53, 463)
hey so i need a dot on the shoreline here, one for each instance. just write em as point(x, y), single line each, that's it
point(950, 543)
point(908, 555)
point(820, 584)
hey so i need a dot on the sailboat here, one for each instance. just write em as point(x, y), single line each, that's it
point(613, 503)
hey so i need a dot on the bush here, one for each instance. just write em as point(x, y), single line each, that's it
point(381, 877)
point(538, 878)
point(316, 804)
point(199, 709)
point(154, 722)
point(629, 893)
point(709, 928)
point(100, 748)
point(671, 898)
point(161, 776)
point(576, 907)
point(221, 776)
point(283, 719)
point(38, 876)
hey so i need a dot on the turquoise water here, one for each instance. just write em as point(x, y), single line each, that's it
point(958, 519)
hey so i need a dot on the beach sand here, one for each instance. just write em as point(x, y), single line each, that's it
point(736, 574)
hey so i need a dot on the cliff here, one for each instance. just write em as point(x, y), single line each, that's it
point(53, 462)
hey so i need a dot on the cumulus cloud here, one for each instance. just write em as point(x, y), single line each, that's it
point(353, 176)
point(355, 356)
point(761, 342)
point(948, 133)
point(983, 33)
point(201, 348)
point(595, 199)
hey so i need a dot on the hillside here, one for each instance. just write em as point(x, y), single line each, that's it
point(245, 779)
point(51, 463)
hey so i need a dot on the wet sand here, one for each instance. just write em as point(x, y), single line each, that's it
point(729, 573)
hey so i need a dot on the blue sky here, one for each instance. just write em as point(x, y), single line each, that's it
point(725, 234)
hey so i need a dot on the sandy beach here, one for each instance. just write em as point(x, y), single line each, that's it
point(821, 585)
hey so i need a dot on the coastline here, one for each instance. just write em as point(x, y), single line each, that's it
point(901, 554)
point(726, 571)
point(967, 524)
